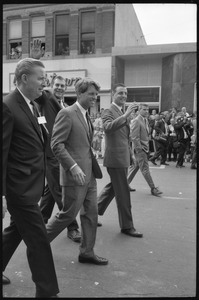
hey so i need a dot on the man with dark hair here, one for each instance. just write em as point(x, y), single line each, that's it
point(71, 144)
point(117, 159)
point(24, 140)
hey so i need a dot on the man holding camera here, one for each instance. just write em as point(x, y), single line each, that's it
point(182, 129)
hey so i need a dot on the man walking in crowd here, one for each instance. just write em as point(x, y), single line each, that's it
point(50, 104)
point(160, 130)
point(71, 143)
point(24, 139)
point(140, 144)
point(117, 160)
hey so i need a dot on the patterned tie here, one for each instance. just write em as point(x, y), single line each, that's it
point(146, 124)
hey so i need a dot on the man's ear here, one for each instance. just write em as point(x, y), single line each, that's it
point(24, 78)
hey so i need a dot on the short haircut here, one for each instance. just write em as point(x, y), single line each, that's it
point(83, 84)
point(143, 104)
point(57, 77)
point(25, 66)
point(118, 85)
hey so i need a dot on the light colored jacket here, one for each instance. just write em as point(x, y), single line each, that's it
point(139, 134)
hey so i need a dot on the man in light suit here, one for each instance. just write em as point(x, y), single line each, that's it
point(24, 140)
point(140, 140)
point(71, 143)
point(117, 160)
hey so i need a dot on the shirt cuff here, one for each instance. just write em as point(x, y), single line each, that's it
point(73, 166)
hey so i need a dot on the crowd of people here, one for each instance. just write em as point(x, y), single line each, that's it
point(48, 158)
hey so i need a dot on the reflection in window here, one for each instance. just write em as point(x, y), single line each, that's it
point(143, 94)
point(15, 35)
point(87, 32)
point(62, 35)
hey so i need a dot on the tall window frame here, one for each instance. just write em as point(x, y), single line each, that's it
point(38, 29)
point(15, 39)
point(87, 31)
point(62, 29)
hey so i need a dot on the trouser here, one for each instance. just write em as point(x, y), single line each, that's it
point(27, 224)
point(118, 188)
point(78, 198)
point(161, 149)
point(141, 162)
point(53, 193)
point(181, 151)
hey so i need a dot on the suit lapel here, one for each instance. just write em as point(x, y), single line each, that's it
point(81, 118)
point(26, 109)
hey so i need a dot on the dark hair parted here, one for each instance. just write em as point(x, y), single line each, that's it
point(118, 85)
point(83, 84)
point(26, 66)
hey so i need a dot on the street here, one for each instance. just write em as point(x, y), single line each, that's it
point(161, 264)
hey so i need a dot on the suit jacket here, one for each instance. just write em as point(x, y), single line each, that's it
point(23, 152)
point(117, 152)
point(139, 134)
point(71, 144)
point(49, 107)
point(179, 130)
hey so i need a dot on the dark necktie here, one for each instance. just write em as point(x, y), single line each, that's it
point(146, 124)
point(36, 115)
point(89, 124)
point(122, 110)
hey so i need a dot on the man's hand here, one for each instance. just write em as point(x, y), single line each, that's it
point(78, 175)
point(4, 206)
point(130, 109)
point(36, 50)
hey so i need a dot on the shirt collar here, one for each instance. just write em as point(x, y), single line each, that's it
point(119, 107)
point(83, 111)
point(26, 99)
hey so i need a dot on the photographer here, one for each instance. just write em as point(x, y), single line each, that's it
point(182, 128)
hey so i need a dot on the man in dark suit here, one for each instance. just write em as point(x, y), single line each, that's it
point(140, 143)
point(182, 128)
point(160, 128)
point(24, 139)
point(117, 160)
point(50, 103)
point(71, 143)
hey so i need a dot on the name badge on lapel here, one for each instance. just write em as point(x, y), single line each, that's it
point(41, 120)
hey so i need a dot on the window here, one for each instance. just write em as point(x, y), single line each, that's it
point(38, 30)
point(15, 39)
point(87, 32)
point(62, 35)
point(143, 94)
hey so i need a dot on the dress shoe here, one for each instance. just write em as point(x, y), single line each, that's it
point(74, 235)
point(5, 280)
point(99, 224)
point(96, 260)
point(131, 190)
point(153, 162)
point(132, 232)
point(155, 192)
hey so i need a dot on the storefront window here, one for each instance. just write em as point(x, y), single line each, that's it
point(143, 94)
point(38, 30)
point(15, 39)
point(62, 35)
point(87, 33)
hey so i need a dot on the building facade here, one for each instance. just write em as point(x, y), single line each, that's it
point(104, 42)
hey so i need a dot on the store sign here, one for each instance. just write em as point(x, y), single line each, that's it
point(71, 77)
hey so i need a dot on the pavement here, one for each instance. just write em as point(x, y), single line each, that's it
point(161, 264)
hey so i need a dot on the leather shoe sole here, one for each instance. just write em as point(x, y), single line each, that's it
point(99, 224)
point(5, 280)
point(132, 233)
point(96, 260)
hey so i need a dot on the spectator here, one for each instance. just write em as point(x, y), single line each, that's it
point(172, 137)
